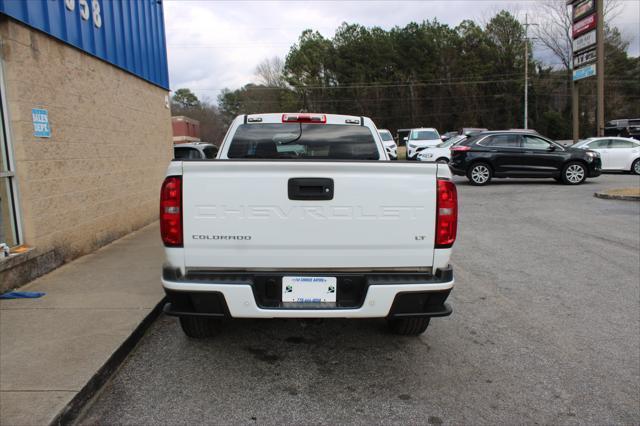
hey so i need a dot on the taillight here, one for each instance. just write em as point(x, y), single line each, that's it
point(446, 214)
point(304, 118)
point(171, 211)
point(460, 148)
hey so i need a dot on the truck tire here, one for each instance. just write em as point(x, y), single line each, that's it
point(408, 326)
point(198, 327)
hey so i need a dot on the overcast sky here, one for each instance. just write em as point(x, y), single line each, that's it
point(217, 44)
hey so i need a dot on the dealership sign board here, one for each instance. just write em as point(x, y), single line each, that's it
point(584, 31)
point(584, 41)
point(584, 72)
point(583, 8)
point(587, 24)
point(584, 58)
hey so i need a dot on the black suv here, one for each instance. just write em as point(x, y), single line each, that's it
point(521, 154)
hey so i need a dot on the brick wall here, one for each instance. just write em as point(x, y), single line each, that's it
point(98, 177)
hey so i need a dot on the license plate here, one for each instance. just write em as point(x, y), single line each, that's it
point(309, 289)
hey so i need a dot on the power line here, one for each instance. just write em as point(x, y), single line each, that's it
point(382, 85)
point(445, 79)
point(252, 44)
point(441, 98)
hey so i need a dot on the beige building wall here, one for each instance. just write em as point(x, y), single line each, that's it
point(98, 177)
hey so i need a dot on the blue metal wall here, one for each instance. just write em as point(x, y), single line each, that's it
point(127, 33)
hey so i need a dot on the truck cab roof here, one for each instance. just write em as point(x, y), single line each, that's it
point(304, 117)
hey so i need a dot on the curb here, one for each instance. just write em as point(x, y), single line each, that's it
point(606, 196)
point(72, 410)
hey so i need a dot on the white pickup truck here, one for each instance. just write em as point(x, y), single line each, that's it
point(304, 216)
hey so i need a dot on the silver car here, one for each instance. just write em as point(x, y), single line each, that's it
point(195, 151)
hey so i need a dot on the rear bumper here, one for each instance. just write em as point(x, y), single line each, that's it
point(457, 170)
point(389, 295)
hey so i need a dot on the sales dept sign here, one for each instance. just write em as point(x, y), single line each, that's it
point(40, 119)
point(584, 41)
point(584, 58)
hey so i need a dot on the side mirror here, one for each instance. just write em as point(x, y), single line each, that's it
point(551, 148)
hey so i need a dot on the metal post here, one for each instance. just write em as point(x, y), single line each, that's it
point(526, 77)
point(575, 111)
point(526, 70)
point(600, 67)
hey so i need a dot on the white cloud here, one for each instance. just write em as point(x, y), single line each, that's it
point(217, 44)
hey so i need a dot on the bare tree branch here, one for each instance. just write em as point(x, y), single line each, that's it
point(270, 72)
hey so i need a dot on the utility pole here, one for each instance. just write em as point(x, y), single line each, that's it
point(526, 70)
point(575, 110)
point(526, 74)
point(600, 67)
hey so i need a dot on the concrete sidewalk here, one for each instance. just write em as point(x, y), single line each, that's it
point(51, 347)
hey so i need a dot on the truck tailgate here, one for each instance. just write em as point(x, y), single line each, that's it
point(239, 215)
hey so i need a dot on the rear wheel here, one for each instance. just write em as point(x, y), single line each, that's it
point(408, 326)
point(442, 160)
point(199, 327)
point(479, 174)
point(635, 167)
point(574, 174)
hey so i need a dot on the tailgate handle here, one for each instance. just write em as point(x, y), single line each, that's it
point(310, 189)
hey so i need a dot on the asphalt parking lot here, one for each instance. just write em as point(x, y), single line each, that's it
point(545, 329)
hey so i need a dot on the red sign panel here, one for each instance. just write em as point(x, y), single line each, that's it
point(587, 24)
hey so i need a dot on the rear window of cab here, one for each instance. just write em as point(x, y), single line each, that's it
point(303, 140)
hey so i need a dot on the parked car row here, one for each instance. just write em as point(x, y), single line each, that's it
point(482, 155)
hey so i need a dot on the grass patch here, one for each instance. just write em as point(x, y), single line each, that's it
point(402, 152)
point(633, 192)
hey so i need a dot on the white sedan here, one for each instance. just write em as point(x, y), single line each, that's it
point(616, 153)
point(441, 152)
point(389, 143)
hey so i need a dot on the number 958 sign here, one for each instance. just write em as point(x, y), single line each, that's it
point(86, 11)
